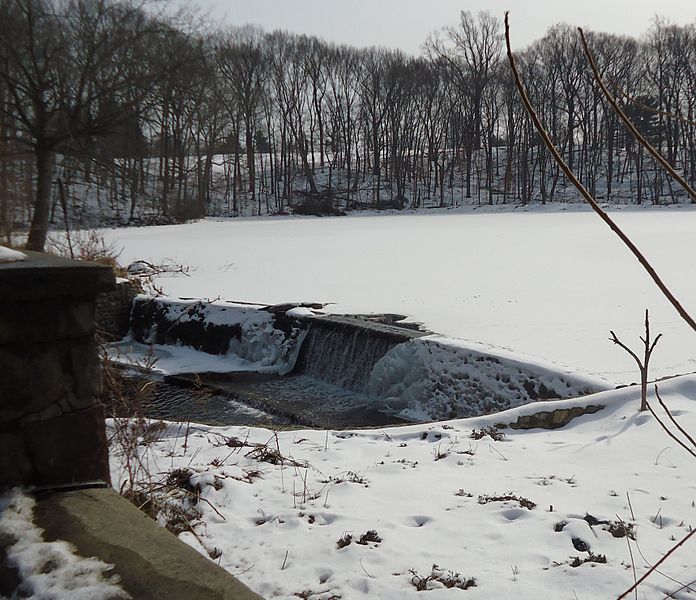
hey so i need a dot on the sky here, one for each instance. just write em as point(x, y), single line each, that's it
point(405, 24)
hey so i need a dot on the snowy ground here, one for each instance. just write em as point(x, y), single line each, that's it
point(549, 282)
point(533, 515)
point(432, 495)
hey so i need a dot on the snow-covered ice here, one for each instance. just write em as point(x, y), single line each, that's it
point(548, 284)
point(434, 378)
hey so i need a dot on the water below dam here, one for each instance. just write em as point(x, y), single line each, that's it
point(262, 400)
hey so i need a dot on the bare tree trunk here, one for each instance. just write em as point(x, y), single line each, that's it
point(42, 207)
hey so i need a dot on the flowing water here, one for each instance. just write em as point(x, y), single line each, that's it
point(327, 388)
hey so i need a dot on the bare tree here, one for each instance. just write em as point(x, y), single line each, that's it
point(644, 362)
point(70, 75)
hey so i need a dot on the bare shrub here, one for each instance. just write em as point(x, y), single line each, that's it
point(523, 502)
point(443, 577)
point(492, 432)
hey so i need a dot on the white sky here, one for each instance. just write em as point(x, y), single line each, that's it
point(405, 24)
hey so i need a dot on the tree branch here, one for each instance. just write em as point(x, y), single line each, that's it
point(583, 191)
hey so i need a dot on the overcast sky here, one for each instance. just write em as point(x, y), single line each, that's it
point(405, 24)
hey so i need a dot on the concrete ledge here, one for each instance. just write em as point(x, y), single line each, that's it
point(48, 276)
point(151, 561)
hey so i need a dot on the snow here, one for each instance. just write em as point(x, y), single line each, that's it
point(50, 570)
point(548, 283)
point(259, 346)
point(300, 311)
point(537, 514)
point(429, 492)
point(173, 360)
point(434, 377)
point(8, 255)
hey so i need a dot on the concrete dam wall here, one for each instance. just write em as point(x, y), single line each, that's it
point(411, 374)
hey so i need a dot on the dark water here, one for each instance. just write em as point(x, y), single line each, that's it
point(327, 388)
point(262, 400)
point(173, 402)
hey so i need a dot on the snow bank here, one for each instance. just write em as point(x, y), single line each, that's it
point(436, 377)
point(247, 338)
point(50, 570)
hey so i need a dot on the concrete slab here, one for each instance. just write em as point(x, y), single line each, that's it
point(47, 276)
point(151, 561)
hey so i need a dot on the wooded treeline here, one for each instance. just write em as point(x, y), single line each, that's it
point(109, 112)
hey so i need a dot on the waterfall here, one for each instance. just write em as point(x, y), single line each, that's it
point(343, 351)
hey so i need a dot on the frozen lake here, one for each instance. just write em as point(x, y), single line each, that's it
point(545, 284)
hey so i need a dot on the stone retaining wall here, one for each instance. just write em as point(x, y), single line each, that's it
point(113, 308)
point(551, 419)
point(51, 427)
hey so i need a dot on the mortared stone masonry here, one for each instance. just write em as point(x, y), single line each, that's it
point(51, 425)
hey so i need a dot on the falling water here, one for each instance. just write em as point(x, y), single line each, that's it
point(343, 351)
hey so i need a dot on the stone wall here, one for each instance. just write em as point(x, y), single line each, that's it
point(51, 426)
point(552, 419)
point(113, 308)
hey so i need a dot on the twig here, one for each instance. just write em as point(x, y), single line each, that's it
point(185, 445)
point(619, 343)
point(199, 497)
point(657, 564)
point(669, 433)
point(657, 458)
point(365, 570)
point(633, 565)
point(669, 414)
point(64, 206)
point(490, 447)
point(633, 517)
point(285, 560)
point(583, 191)
point(683, 586)
point(249, 568)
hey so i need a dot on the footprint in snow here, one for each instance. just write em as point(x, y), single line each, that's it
point(417, 521)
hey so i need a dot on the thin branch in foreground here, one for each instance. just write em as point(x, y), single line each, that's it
point(674, 421)
point(670, 433)
point(657, 564)
point(583, 191)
